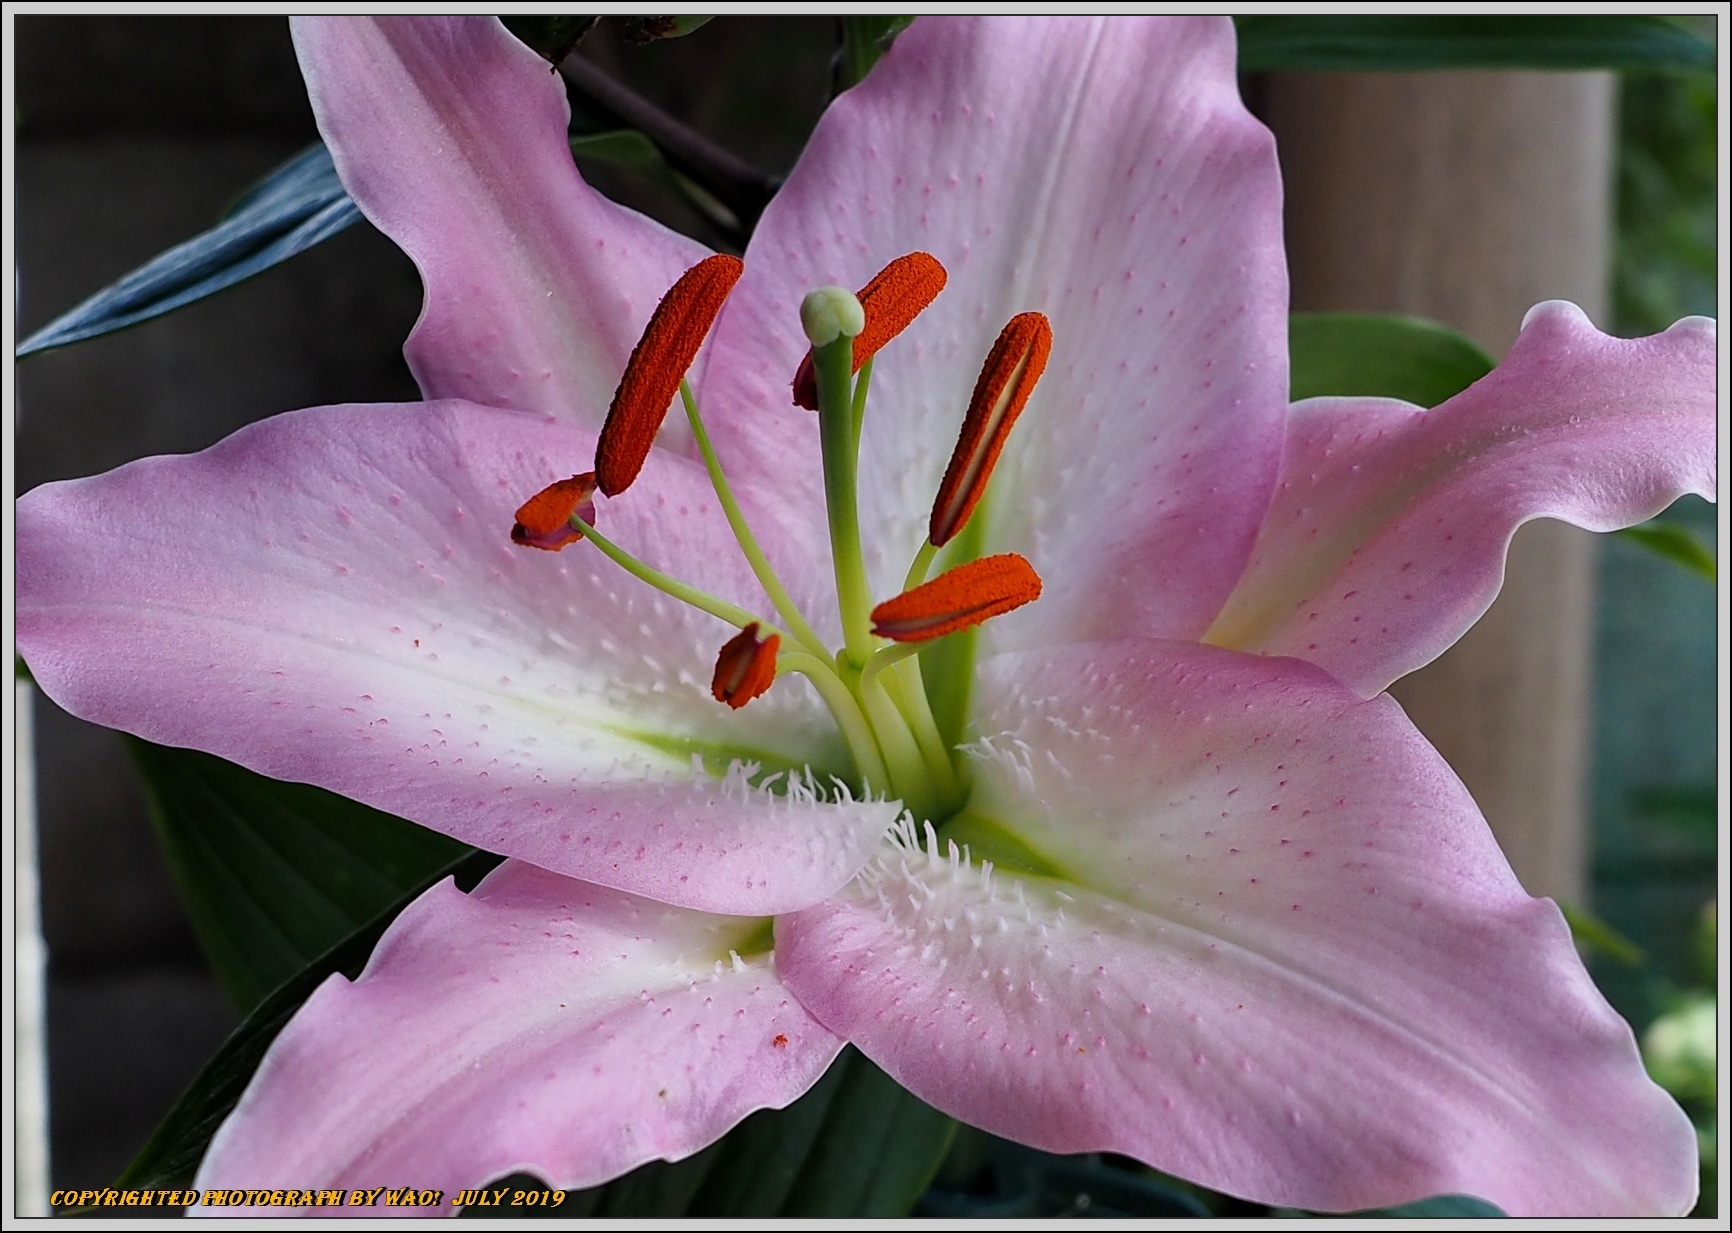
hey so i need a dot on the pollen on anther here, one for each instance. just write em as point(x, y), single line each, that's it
point(1008, 377)
point(544, 521)
point(896, 295)
point(669, 344)
point(958, 598)
point(745, 668)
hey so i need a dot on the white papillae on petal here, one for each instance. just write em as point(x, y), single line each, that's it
point(1101, 172)
point(450, 134)
point(536, 1025)
point(332, 596)
point(1387, 536)
point(1286, 958)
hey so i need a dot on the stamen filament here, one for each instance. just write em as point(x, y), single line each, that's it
point(733, 614)
point(856, 732)
point(909, 775)
point(922, 565)
point(862, 384)
point(761, 567)
point(906, 689)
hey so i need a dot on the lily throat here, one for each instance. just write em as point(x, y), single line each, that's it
point(873, 683)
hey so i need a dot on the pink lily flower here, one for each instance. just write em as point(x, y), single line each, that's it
point(1222, 908)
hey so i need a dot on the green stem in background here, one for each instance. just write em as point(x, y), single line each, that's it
point(761, 567)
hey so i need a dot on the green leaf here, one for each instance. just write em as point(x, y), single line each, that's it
point(171, 1156)
point(551, 38)
point(1675, 543)
point(300, 204)
point(1438, 1207)
point(1592, 933)
point(630, 149)
point(1381, 355)
point(653, 29)
point(856, 1145)
point(865, 39)
point(1381, 43)
point(275, 874)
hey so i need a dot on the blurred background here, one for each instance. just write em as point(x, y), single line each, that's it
point(133, 134)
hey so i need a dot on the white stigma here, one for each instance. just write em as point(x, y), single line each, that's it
point(830, 313)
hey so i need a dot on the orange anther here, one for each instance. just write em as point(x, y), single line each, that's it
point(896, 295)
point(544, 521)
point(745, 668)
point(1006, 380)
point(652, 376)
point(957, 599)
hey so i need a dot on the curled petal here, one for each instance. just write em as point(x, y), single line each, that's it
point(536, 1025)
point(1387, 536)
point(1271, 948)
point(450, 135)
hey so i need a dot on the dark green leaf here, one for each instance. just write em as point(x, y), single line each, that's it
point(274, 874)
point(628, 148)
point(652, 29)
point(865, 38)
point(1438, 1207)
point(1381, 355)
point(1592, 933)
point(171, 1156)
point(1674, 543)
point(551, 38)
point(856, 1145)
point(1373, 43)
point(298, 205)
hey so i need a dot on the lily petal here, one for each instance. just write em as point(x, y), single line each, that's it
point(450, 134)
point(1387, 537)
point(1139, 209)
point(1282, 955)
point(332, 596)
point(536, 1025)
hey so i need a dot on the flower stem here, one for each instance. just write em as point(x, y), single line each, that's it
point(761, 567)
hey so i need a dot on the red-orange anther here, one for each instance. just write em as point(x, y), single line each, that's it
point(1006, 380)
point(896, 295)
point(544, 521)
point(669, 344)
point(957, 599)
point(745, 668)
